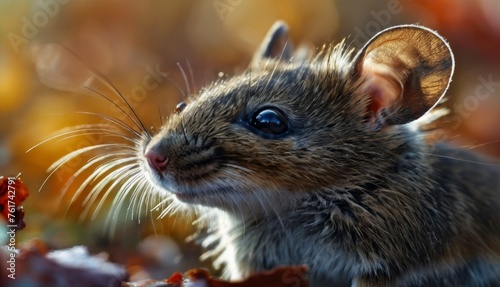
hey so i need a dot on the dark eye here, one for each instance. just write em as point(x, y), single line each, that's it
point(269, 121)
point(180, 107)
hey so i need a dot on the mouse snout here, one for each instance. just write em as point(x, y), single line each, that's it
point(157, 160)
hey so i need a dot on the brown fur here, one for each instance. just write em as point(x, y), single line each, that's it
point(349, 190)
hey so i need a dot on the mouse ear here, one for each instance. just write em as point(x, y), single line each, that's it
point(405, 70)
point(276, 45)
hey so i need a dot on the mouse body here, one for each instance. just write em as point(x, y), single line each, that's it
point(310, 159)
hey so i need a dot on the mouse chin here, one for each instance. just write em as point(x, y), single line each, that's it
point(222, 194)
point(193, 195)
point(231, 200)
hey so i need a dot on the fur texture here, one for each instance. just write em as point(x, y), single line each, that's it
point(345, 185)
point(348, 190)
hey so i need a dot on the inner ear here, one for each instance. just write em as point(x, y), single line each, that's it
point(275, 45)
point(404, 70)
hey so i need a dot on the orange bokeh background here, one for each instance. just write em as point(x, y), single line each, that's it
point(124, 40)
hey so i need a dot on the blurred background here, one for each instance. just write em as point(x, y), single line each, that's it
point(147, 49)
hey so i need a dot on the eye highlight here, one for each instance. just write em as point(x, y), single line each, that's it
point(180, 107)
point(269, 122)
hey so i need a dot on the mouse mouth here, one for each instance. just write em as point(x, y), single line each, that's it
point(218, 190)
point(187, 189)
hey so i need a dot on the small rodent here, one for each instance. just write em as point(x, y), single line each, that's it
point(304, 160)
point(311, 160)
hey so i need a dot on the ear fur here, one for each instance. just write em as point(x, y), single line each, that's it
point(405, 70)
point(274, 46)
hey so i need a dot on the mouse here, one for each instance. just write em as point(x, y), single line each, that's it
point(315, 158)
point(312, 159)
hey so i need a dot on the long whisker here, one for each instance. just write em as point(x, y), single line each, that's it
point(139, 124)
point(118, 175)
point(110, 85)
point(276, 65)
point(79, 129)
point(84, 130)
point(125, 189)
point(89, 132)
point(114, 121)
point(80, 151)
point(103, 169)
point(464, 160)
point(483, 144)
point(90, 163)
point(96, 92)
point(145, 202)
point(186, 81)
point(176, 86)
point(190, 69)
point(59, 163)
point(126, 151)
point(134, 201)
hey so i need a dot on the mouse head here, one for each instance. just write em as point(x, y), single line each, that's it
point(291, 124)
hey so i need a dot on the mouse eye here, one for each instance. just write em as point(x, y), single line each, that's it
point(269, 121)
point(180, 107)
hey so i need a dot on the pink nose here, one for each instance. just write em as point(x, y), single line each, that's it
point(157, 160)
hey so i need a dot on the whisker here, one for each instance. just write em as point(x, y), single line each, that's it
point(119, 179)
point(82, 130)
point(97, 132)
point(464, 160)
point(81, 151)
point(103, 169)
point(118, 202)
point(160, 116)
point(118, 122)
point(111, 86)
point(123, 192)
point(96, 92)
point(125, 189)
point(483, 144)
point(138, 124)
point(186, 81)
point(116, 176)
point(91, 162)
point(170, 209)
point(190, 69)
point(161, 204)
point(176, 86)
point(276, 65)
point(134, 202)
point(59, 163)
